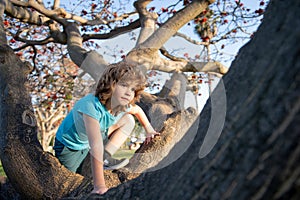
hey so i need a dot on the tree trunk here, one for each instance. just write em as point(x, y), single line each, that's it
point(34, 173)
point(257, 155)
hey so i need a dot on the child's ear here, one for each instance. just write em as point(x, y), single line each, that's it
point(113, 85)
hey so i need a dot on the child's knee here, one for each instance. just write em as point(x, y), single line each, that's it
point(129, 121)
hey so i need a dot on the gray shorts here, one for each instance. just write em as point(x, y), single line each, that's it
point(71, 159)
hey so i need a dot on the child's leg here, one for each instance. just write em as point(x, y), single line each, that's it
point(119, 132)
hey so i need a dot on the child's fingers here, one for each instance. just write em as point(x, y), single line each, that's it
point(148, 139)
point(156, 135)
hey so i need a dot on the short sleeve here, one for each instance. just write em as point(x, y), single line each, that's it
point(91, 107)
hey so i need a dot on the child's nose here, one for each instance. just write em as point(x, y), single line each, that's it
point(128, 91)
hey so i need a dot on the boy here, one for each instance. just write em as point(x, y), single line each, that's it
point(103, 116)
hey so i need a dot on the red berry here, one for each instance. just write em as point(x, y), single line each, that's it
point(164, 9)
point(94, 6)
point(186, 2)
point(205, 39)
point(152, 9)
point(19, 53)
point(224, 13)
point(6, 23)
point(204, 20)
point(259, 11)
point(84, 12)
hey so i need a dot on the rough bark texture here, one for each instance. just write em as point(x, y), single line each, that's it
point(34, 173)
point(168, 116)
point(258, 153)
point(256, 157)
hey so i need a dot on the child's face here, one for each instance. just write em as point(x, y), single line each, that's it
point(122, 94)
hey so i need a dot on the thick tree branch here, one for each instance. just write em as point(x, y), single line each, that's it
point(59, 15)
point(167, 30)
point(56, 4)
point(146, 53)
point(91, 62)
point(23, 14)
point(149, 59)
point(147, 20)
point(74, 42)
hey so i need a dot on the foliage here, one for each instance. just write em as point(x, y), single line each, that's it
point(227, 22)
point(2, 173)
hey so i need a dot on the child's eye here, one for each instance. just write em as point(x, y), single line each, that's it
point(123, 84)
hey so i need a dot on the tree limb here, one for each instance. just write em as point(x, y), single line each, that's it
point(167, 30)
point(147, 20)
point(113, 33)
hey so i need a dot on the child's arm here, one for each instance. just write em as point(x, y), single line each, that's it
point(141, 116)
point(92, 127)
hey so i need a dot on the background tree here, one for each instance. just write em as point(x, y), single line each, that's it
point(35, 34)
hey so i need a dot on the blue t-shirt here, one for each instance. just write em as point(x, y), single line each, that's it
point(72, 131)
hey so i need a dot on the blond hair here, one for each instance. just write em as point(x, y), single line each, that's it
point(115, 73)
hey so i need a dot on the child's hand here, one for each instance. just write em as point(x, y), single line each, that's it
point(150, 136)
point(100, 190)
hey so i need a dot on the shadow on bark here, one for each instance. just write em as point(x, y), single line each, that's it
point(256, 157)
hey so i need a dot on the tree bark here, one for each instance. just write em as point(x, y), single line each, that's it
point(35, 174)
point(257, 155)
